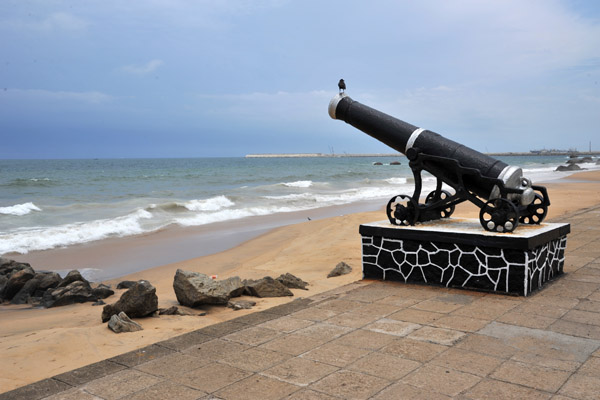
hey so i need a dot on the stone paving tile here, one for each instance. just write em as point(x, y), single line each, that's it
point(534, 376)
point(256, 318)
point(366, 340)
point(167, 390)
point(89, 372)
point(186, 340)
point(413, 349)
point(323, 331)
point(588, 305)
point(527, 320)
point(446, 337)
point(336, 355)
point(286, 324)
point(215, 349)
point(591, 367)
point(546, 310)
point(257, 387)
point(584, 317)
point(292, 306)
point(315, 314)
point(378, 310)
point(351, 319)
point(437, 306)
point(212, 377)
point(299, 371)
point(551, 358)
point(467, 361)
point(416, 316)
point(392, 327)
point(292, 344)
point(371, 293)
point(307, 394)
point(402, 391)
point(142, 355)
point(72, 394)
point(491, 389)
point(384, 366)
point(36, 390)
point(487, 345)
point(441, 380)
point(350, 385)
point(254, 359)
point(221, 329)
point(172, 365)
point(398, 301)
point(576, 329)
point(121, 384)
point(340, 305)
point(572, 289)
point(460, 323)
point(581, 387)
point(253, 336)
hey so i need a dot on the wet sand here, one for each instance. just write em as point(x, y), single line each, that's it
point(40, 343)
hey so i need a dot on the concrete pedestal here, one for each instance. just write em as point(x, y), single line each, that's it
point(459, 253)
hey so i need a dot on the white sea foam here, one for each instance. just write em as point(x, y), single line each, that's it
point(19, 209)
point(227, 215)
point(212, 204)
point(42, 238)
point(396, 181)
point(299, 184)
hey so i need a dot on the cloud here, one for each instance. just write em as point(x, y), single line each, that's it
point(57, 21)
point(144, 69)
point(93, 97)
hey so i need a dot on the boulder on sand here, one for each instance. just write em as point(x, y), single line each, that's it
point(17, 280)
point(194, 289)
point(341, 269)
point(241, 304)
point(75, 292)
point(125, 284)
point(570, 167)
point(72, 276)
point(291, 281)
point(266, 287)
point(119, 323)
point(139, 301)
point(102, 291)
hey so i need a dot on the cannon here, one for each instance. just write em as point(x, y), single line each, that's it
point(504, 196)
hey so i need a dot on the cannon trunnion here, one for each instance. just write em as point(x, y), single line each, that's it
point(505, 198)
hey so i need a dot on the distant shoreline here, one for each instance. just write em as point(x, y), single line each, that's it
point(317, 155)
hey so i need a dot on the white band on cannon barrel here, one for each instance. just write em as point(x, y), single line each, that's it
point(334, 103)
point(413, 137)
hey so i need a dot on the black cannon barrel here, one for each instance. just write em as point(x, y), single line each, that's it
point(403, 136)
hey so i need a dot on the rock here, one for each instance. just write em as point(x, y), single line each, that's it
point(98, 303)
point(126, 284)
point(241, 304)
point(292, 281)
point(73, 276)
point(47, 280)
point(139, 301)
point(570, 167)
point(24, 295)
point(377, 163)
point(266, 287)
point(8, 267)
point(587, 159)
point(395, 163)
point(102, 291)
point(3, 280)
point(17, 280)
point(194, 289)
point(341, 269)
point(74, 292)
point(168, 311)
point(574, 161)
point(119, 323)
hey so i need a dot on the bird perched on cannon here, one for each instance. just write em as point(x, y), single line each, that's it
point(505, 198)
point(342, 86)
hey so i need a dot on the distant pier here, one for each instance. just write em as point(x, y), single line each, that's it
point(315, 155)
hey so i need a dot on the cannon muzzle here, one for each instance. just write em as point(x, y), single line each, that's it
point(473, 175)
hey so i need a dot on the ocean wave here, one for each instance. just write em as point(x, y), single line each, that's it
point(30, 182)
point(43, 238)
point(396, 181)
point(19, 209)
point(211, 204)
point(298, 184)
point(227, 215)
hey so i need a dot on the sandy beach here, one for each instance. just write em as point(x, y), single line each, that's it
point(40, 343)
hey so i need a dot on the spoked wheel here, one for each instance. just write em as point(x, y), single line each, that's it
point(445, 212)
point(499, 215)
point(402, 210)
point(536, 211)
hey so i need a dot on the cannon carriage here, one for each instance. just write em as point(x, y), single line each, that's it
point(503, 195)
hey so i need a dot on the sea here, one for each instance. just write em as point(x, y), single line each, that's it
point(47, 204)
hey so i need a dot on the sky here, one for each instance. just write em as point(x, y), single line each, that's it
point(175, 78)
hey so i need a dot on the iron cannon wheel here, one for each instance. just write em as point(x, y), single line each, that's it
point(444, 194)
point(499, 215)
point(402, 210)
point(537, 211)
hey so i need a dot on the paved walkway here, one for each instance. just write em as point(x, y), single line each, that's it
point(378, 340)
